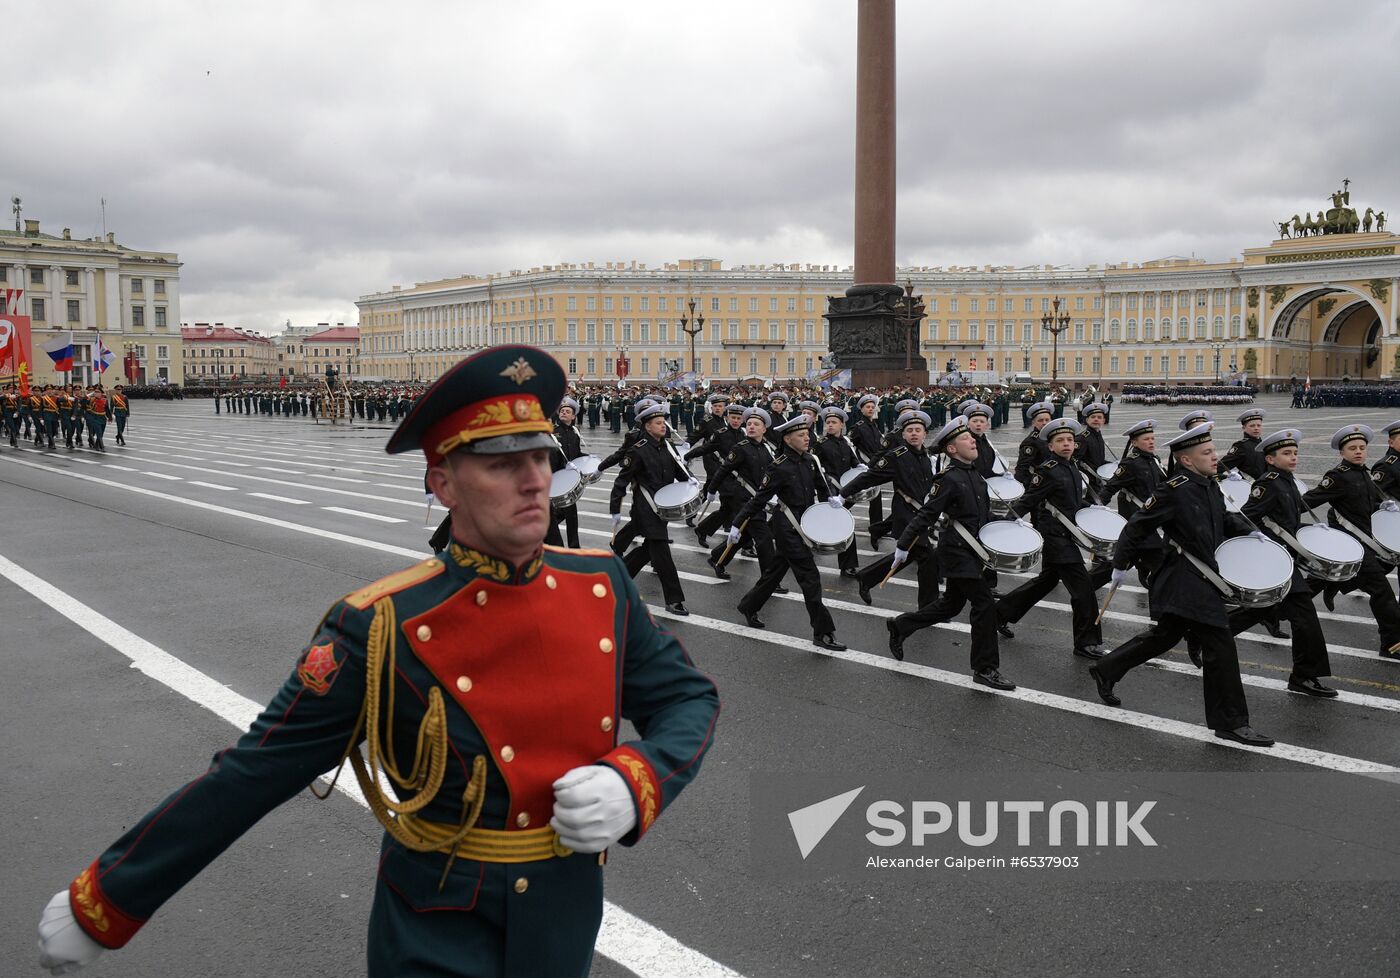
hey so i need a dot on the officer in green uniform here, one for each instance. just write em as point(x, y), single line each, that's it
point(508, 664)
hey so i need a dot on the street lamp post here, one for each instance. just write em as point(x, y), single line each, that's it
point(911, 312)
point(1056, 323)
point(411, 369)
point(692, 325)
point(1217, 347)
point(1026, 357)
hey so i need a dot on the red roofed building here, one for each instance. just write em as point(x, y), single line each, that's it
point(337, 346)
point(213, 351)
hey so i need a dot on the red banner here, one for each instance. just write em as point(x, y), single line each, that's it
point(622, 366)
point(15, 362)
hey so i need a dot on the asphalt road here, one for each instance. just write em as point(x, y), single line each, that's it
point(152, 596)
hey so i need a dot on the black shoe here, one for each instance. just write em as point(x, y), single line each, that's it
point(1329, 597)
point(849, 572)
point(1193, 652)
point(1246, 735)
point(1004, 630)
point(780, 590)
point(865, 592)
point(720, 572)
point(1090, 651)
point(1104, 687)
point(749, 552)
point(828, 642)
point(677, 609)
point(1272, 628)
point(690, 521)
point(875, 539)
point(992, 678)
point(704, 540)
point(1310, 687)
point(896, 640)
point(753, 621)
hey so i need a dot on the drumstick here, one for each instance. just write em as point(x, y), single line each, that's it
point(894, 568)
point(1106, 600)
point(728, 549)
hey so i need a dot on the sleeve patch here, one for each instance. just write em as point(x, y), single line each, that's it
point(933, 491)
point(1150, 501)
point(1326, 482)
point(1257, 492)
point(319, 667)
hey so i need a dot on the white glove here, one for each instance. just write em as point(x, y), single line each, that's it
point(900, 556)
point(616, 521)
point(1021, 521)
point(64, 947)
point(1118, 577)
point(592, 808)
point(711, 497)
point(1234, 475)
point(693, 481)
point(1391, 506)
point(734, 534)
point(835, 502)
point(1258, 535)
point(570, 464)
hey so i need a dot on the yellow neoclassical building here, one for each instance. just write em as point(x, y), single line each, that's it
point(1319, 305)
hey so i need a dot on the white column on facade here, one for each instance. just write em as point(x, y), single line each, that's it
point(21, 282)
point(89, 297)
point(56, 307)
point(112, 281)
point(1393, 326)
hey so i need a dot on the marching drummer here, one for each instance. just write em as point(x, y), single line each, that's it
point(650, 466)
point(570, 448)
point(1354, 496)
point(712, 444)
point(813, 410)
point(777, 415)
point(979, 419)
point(908, 468)
point(737, 480)
point(1033, 449)
point(1276, 504)
point(1055, 483)
point(1386, 472)
point(1089, 450)
point(865, 438)
point(1244, 455)
point(1190, 510)
point(889, 441)
point(837, 457)
point(960, 493)
point(1190, 420)
point(1135, 481)
point(794, 482)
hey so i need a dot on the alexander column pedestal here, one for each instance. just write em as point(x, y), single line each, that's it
point(871, 333)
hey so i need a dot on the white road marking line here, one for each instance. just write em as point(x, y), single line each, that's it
point(268, 468)
point(363, 515)
point(162, 475)
point(213, 485)
point(192, 458)
point(281, 499)
point(1144, 721)
point(120, 468)
point(237, 465)
point(336, 478)
point(82, 461)
point(628, 940)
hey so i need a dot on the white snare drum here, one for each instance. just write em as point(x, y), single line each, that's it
point(828, 529)
point(1107, 470)
point(565, 486)
point(1385, 530)
point(1102, 526)
point(848, 477)
point(1236, 494)
point(677, 501)
point(1010, 546)
point(1328, 553)
point(587, 466)
point(1002, 491)
point(1259, 572)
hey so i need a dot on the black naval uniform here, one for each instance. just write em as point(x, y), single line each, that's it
point(865, 437)
point(1033, 452)
point(1274, 496)
point(911, 472)
point(736, 480)
point(1057, 483)
point(1190, 509)
point(1386, 474)
point(650, 466)
point(1245, 456)
point(1352, 492)
point(713, 441)
point(792, 479)
point(837, 457)
point(960, 493)
point(570, 448)
point(986, 456)
point(1138, 474)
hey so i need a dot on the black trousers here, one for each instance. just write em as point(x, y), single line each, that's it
point(792, 554)
point(723, 515)
point(848, 559)
point(1373, 580)
point(658, 554)
point(921, 555)
point(569, 517)
point(1224, 693)
point(1305, 631)
point(1013, 606)
point(758, 533)
point(958, 591)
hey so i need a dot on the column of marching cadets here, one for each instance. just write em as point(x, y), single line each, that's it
point(1219, 542)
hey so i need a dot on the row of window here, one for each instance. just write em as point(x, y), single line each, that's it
point(1007, 332)
point(39, 312)
point(38, 276)
point(641, 369)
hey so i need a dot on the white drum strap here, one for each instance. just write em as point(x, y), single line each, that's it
point(1364, 537)
point(1291, 540)
point(971, 541)
point(1226, 591)
point(1071, 526)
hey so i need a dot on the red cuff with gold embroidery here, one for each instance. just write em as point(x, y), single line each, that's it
point(640, 776)
point(96, 915)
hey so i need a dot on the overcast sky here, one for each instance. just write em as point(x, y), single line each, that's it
point(298, 154)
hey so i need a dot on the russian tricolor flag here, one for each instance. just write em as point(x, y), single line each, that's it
point(60, 351)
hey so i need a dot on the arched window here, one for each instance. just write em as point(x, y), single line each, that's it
point(1183, 330)
point(1200, 327)
point(1218, 328)
point(1149, 333)
point(1235, 327)
point(1113, 331)
point(1132, 331)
